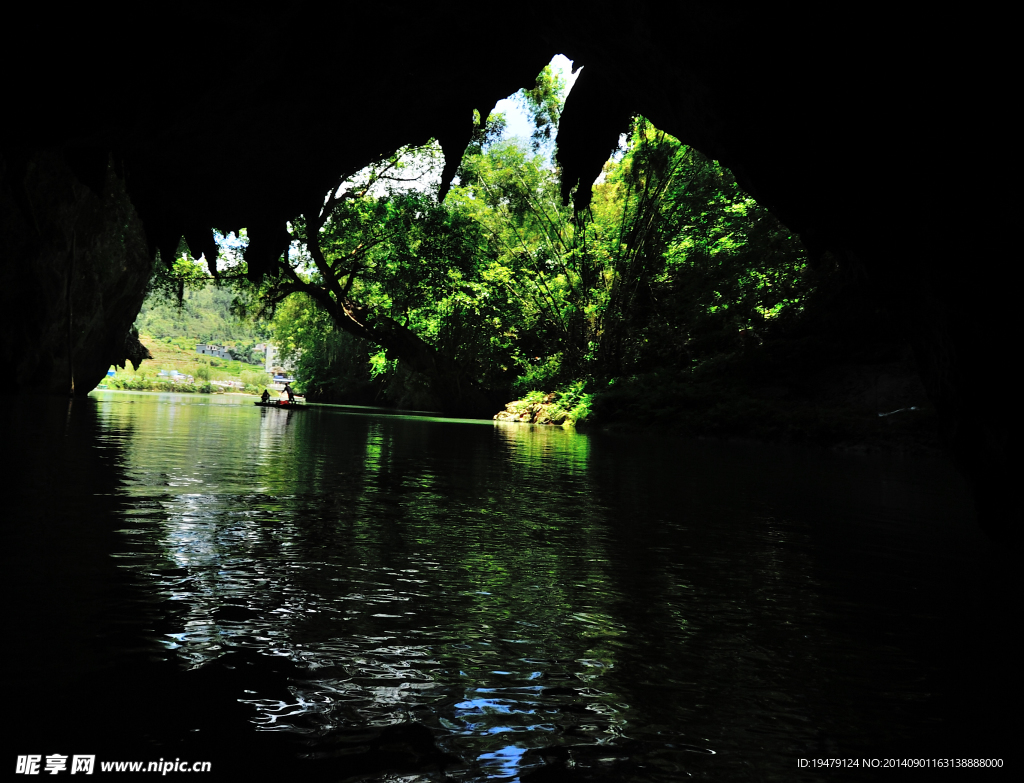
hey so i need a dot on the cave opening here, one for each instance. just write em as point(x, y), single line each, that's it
point(864, 162)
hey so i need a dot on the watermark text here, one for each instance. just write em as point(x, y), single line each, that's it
point(56, 763)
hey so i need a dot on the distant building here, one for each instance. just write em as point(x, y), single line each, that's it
point(213, 350)
point(174, 375)
point(281, 371)
point(275, 366)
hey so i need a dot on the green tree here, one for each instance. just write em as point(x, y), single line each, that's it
point(691, 261)
point(330, 364)
point(543, 102)
point(388, 266)
point(533, 259)
point(502, 282)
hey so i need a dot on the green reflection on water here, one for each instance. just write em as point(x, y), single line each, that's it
point(419, 563)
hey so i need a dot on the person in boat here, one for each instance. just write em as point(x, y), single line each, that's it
point(265, 397)
point(290, 392)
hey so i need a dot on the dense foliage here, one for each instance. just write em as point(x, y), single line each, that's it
point(689, 265)
point(501, 289)
point(673, 259)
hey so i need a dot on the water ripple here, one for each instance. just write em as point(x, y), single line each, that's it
point(531, 596)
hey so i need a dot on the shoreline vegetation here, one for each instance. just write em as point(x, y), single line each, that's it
point(839, 375)
point(847, 387)
point(834, 411)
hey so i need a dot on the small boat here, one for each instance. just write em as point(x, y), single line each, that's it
point(288, 406)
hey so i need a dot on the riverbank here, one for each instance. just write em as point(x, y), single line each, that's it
point(858, 393)
point(858, 408)
point(217, 391)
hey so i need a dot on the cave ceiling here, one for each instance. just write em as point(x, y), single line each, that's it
point(239, 117)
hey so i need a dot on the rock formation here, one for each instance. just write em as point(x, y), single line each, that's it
point(542, 411)
point(75, 270)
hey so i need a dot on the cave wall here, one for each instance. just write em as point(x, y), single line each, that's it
point(75, 270)
point(880, 134)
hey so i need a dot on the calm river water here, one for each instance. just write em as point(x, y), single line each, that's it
point(346, 595)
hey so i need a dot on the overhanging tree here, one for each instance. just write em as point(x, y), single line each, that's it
point(377, 260)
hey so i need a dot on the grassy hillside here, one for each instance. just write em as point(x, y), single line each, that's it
point(203, 316)
point(168, 354)
point(171, 330)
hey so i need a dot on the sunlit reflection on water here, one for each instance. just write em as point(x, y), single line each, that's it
point(530, 595)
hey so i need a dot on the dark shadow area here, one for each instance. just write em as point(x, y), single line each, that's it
point(838, 374)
